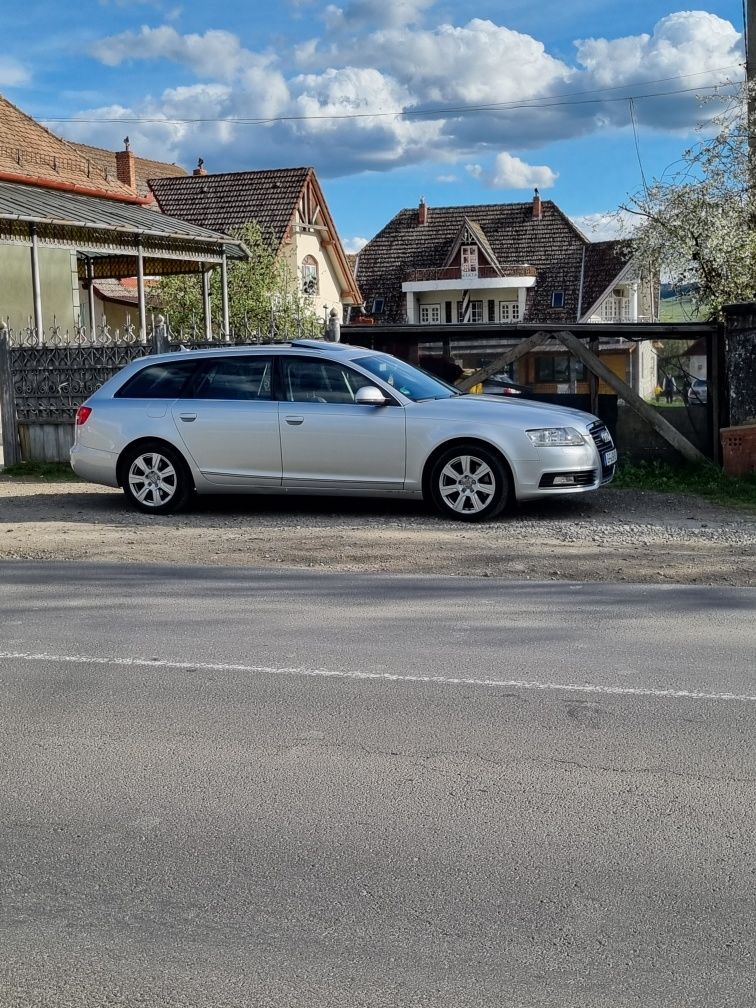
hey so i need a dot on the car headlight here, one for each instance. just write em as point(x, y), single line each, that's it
point(555, 437)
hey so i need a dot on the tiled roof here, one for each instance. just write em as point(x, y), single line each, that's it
point(551, 244)
point(604, 261)
point(31, 153)
point(229, 200)
point(123, 291)
point(145, 168)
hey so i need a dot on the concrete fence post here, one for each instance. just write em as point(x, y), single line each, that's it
point(333, 330)
point(160, 336)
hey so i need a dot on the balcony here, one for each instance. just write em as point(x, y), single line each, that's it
point(452, 278)
point(455, 273)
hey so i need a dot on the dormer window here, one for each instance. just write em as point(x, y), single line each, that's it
point(469, 260)
point(557, 299)
point(310, 283)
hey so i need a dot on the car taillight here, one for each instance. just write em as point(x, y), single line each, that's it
point(82, 415)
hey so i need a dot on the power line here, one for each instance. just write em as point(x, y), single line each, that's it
point(551, 101)
point(637, 145)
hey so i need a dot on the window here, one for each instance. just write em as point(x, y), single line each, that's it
point(476, 311)
point(308, 380)
point(233, 378)
point(469, 260)
point(378, 304)
point(509, 311)
point(557, 299)
point(405, 378)
point(159, 381)
point(310, 283)
point(556, 368)
point(430, 314)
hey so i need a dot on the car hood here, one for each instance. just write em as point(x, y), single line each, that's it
point(496, 408)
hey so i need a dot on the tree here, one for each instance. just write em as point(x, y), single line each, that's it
point(696, 224)
point(265, 298)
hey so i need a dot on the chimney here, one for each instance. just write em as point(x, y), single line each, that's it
point(126, 165)
point(200, 169)
point(537, 210)
point(422, 211)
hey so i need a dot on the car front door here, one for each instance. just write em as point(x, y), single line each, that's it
point(329, 440)
point(228, 420)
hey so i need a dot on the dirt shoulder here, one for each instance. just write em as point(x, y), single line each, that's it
point(613, 535)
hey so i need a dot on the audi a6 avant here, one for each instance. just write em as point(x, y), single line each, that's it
point(314, 417)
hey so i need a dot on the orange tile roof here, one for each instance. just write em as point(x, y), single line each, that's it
point(145, 168)
point(30, 153)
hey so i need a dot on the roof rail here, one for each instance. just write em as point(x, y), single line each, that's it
point(316, 344)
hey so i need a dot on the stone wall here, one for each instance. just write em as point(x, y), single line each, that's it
point(740, 336)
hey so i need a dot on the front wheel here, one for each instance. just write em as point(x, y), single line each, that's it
point(155, 479)
point(469, 483)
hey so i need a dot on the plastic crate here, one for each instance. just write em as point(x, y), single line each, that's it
point(738, 450)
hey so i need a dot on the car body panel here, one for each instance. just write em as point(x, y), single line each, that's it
point(320, 447)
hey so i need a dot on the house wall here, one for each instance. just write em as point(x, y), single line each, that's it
point(59, 286)
point(618, 363)
point(117, 315)
point(498, 294)
point(329, 293)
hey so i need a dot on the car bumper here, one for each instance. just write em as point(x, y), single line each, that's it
point(94, 465)
point(558, 472)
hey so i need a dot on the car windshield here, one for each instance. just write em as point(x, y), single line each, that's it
point(407, 379)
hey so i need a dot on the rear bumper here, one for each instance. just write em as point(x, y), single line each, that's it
point(94, 465)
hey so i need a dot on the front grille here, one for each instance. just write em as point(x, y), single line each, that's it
point(601, 436)
point(585, 477)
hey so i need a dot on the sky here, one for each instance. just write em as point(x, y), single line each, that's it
point(464, 102)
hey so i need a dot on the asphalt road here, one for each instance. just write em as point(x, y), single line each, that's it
point(253, 788)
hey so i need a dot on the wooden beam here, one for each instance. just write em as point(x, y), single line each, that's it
point(508, 357)
point(634, 401)
point(11, 450)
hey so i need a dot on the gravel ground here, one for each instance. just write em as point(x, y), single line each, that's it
point(612, 535)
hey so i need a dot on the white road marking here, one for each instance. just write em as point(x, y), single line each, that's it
point(386, 676)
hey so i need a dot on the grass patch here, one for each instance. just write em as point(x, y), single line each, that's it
point(703, 480)
point(47, 472)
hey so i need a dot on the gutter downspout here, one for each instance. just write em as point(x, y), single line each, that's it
point(36, 290)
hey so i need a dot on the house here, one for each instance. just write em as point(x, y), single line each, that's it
point(70, 218)
point(500, 264)
point(694, 360)
point(288, 206)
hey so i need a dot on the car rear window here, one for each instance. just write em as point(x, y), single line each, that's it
point(158, 381)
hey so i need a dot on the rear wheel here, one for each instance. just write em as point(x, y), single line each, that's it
point(156, 479)
point(469, 483)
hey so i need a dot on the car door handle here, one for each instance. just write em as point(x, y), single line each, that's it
point(187, 417)
point(294, 421)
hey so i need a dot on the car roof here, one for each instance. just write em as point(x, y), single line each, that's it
point(303, 347)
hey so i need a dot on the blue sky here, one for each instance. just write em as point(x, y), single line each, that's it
point(497, 97)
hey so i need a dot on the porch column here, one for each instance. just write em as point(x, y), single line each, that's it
point(224, 296)
point(522, 294)
point(634, 301)
point(206, 306)
point(411, 308)
point(140, 293)
point(91, 297)
point(36, 290)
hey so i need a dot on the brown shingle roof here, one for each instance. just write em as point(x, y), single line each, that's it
point(229, 200)
point(145, 168)
point(604, 261)
point(31, 153)
point(551, 244)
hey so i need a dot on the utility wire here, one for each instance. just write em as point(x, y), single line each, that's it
point(524, 104)
point(637, 145)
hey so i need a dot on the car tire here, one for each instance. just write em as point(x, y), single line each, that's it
point(469, 483)
point(156, 479)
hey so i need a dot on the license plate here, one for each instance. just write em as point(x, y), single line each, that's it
point(610, 457)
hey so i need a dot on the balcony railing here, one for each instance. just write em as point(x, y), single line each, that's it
point(455, 273)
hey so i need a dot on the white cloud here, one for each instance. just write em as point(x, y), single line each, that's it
point(12, 73)
point(606, 225)
point(446, 178)
point(353, 245)
point(387, 61)
point(512, 173)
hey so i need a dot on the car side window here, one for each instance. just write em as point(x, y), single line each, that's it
point(233, 378)
point(158, 381)
point(309, 380)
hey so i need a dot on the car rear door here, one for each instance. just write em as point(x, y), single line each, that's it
point(329, 440)
point(228, 421)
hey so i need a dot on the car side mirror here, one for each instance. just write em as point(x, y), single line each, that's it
point(369, 395)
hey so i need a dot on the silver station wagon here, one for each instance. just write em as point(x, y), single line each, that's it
point(311, 417)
